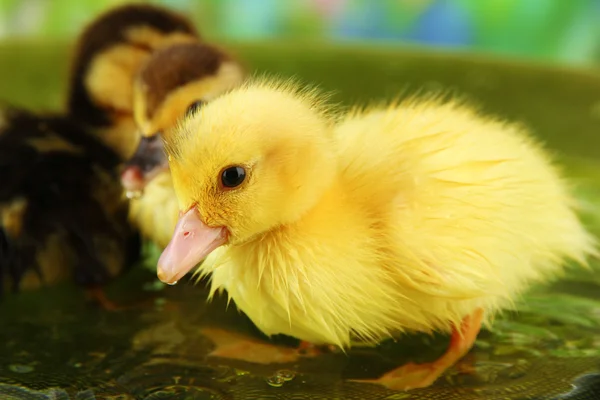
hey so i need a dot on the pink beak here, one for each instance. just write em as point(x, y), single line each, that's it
point(192, 241)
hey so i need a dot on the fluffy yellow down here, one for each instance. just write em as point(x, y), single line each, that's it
point(158, 195)
point(396, 218)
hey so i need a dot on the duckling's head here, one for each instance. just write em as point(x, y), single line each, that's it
point(108, 52)
point(173, 83)
point(252, 160)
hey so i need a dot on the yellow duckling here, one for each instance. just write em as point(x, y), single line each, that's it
point(174, 81)
point(420, 216)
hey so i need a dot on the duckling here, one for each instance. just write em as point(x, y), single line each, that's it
point(108, 54)
point(421, 215)
point(175, 81)
point(62, 208)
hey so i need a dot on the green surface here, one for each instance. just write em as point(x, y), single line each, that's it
point(55, 345)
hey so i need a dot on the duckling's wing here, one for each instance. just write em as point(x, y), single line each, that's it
point(470, 206)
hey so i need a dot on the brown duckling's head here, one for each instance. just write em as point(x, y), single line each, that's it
point(175, 81)
point(108, 54)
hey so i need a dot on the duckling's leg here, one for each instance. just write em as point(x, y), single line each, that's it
point(413, 376)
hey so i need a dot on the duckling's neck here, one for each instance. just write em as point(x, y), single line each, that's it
point(328, 210)
point(332, 216)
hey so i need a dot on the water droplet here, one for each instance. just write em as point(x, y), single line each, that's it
point(275, 381)
point(134, 194)
point(286, 374)
point(280, 377)
point(172, 283)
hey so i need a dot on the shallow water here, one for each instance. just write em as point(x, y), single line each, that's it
point(56, 346)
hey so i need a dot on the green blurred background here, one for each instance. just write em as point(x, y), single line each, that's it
point(564, 31)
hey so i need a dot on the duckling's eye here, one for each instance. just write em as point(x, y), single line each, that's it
point(233, 176)
point(195, 106)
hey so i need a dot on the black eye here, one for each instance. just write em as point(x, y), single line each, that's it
point(192, 108)
point(233, 176)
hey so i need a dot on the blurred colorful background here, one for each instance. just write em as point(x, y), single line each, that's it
point(565, 31)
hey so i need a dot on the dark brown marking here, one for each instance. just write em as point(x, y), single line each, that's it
point(177, 65)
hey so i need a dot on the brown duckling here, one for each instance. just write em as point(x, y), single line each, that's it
point(66, 206)
point(108, 54)
point(174, 82)
point(62, 209)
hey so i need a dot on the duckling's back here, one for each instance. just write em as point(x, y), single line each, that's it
point(470, 208)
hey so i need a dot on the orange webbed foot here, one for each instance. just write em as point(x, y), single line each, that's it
point(236, 346)
point(414, 376)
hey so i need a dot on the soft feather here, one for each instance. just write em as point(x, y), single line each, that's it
point(400, 218)
point(158, 195)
